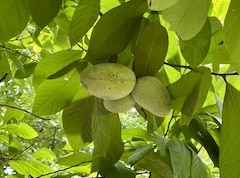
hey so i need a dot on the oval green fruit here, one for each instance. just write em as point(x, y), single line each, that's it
point(120, 105)
point(152, 95)
point(109, 81)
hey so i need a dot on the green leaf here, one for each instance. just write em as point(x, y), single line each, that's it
point(75, 159)
point(198, 168)
point(14, 146)
point(12, 113)
point(129, 134)
point(5, 68)
point(151, 50)
point(14, 18)
point(204, 137)
point(33, 168)
point(159, 5)
point(156, 164)
point(187, 17)
point(231, 34)
point(53, 95)
point(140, 152)
point(230, 135)
point(161, 144)
point(108, 145)
point(189, 93)
point(77, 122)
point(180, 158)
point(196, 49)
point(4, 139)
point(28, 70)
point(84, 16)
point(44, 153)
point(43, 11)
point(119, 170)
point(22, 130)
point(114, 30)
point(54, 63)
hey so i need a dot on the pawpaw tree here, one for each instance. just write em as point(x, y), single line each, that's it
point(52, 126)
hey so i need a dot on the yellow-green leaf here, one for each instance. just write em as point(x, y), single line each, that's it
point(230, 135)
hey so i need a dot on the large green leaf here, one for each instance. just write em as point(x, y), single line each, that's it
point(53, 95)
point(129, 134)
point(119, 170)
point(114, 30)
point(198, 168)
point(156, 164)
point(231, 33)
point(28, 71)
point(180, 158)
point(106, 131)
point(44, 153)
point(196, 49)
point(189, 93)
point(14, 16)
point(22, 130)
point(77, 122)
point(140, 152)
point(84, 16)
point(75, 159)
point(54, 63)
point(230, 135)
point(12, 113)
point(197, 129)
point(5, 70)
point(187, 17)
point(151, 50)
point(43, 11)
point(33, 168)
point(159, 5)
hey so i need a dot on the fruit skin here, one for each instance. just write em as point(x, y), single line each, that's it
point(120, 105)
point(109, 81)
point(152, 95)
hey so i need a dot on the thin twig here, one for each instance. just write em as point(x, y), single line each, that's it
point(224, 74)
point(178, 66)
point(4, 77)
point(61, 170)
point(81, 47)
point(17, 52)
point(23, 110)
point(190, 68)
point(169, 123)
point(17, 154)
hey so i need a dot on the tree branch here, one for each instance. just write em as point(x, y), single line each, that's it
point(169, 124)
point(212, 73)
point(61, 170)
point(17, 52)
point(178, 66)
point(4, 77)
point(23, 110)
point(225, 74)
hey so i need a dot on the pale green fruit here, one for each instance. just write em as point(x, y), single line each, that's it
point(120, 105)
point(109, 81)
point(152, 95)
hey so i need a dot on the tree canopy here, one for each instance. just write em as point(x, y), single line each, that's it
point(51, 126)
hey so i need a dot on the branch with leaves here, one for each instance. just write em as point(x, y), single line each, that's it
point(62, 170)
point(191, 68)
point(23, 110)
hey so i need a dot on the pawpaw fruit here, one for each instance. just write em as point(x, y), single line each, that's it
point(120, 105)
point(109, 81)
point(152, 95)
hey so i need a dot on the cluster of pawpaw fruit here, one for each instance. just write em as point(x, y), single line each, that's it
point(118, 86)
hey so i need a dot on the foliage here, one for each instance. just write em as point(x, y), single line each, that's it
point(51, 127)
